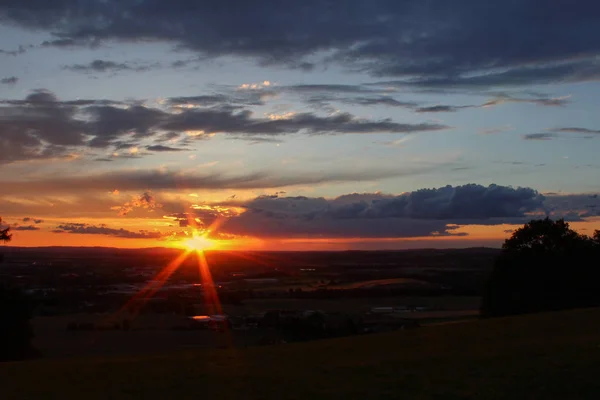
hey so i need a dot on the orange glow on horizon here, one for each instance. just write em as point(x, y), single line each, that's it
point(479, 235)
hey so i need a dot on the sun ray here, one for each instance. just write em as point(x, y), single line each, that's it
point(211, 297)
point(154, 285)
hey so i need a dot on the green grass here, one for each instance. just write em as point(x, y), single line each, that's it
point(544, 356)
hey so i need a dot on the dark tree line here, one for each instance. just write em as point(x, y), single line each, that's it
point(544, 266)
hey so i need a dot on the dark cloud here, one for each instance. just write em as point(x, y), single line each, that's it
point(167, 137)
point(576, 130)
point(134, 180)
point(41, 126)
point(448, 203)
point(569, 72)
point(25, 228)
point(162, 148)
point(34, 220)
point(109, 123)
point(538, 99)
point(212, 121)
point(499, 98)
point(11, 80)
point(251, 224)
point(239, 97)
point(66, 43)
point(441, 43)
point(573, 207)
point(539, 136)
point(38, 127)
point(324, 100)
point(423, 212)
point(20, 50)
point(440, 108)
point(108, 66)
point(85, 229)
point(378, 101)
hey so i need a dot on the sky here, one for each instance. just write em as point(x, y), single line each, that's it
point(304, 125)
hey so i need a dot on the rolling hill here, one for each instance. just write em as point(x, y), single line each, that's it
point(543, 356)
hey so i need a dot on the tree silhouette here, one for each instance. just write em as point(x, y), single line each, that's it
point(544, 235)
point(5, 235)
point(15, 313)
point(545, 265)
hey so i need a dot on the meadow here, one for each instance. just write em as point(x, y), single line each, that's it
point(542, 356)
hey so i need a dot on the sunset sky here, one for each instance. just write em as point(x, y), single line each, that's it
point(305, 125)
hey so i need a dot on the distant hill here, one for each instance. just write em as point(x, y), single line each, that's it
point(543, 356)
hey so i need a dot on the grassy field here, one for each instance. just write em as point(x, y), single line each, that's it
point(544, 356)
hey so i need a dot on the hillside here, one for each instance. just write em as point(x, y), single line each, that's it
point(544, 356)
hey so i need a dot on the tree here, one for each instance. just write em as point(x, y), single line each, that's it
point(545, 265)
point(15, 313)
point(5, 235)
point(544, 235)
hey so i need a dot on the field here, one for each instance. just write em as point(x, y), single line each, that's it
point(155, 331)
point(544, 356)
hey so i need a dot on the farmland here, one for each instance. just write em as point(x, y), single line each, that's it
point(543, 356)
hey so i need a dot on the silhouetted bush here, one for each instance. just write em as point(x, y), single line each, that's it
point(544, 266)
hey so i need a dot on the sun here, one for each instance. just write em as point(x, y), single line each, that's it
point(198, 243)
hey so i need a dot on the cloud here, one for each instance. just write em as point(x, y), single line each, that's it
point(328, 89)
point(108, 66)
point(11, 80)
point(215, 121)
point(449, 202)
point(258, 139)
point(146, 201)
point(143, 179)
point(26, 228)
point(539, 136)
point(20, 50)
point(38, 127)
point(573, 206)
point(496, 129)
point(65, 43)
point(34, 220)
point(439, 43)
point(553, 133)
point(41, 126)
point(538, 74)
point(576, 130)
point(238, 97)
point(423, 212)
point(440, 108)
point(85, 229)
point(162, 148)
point(499, 98)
